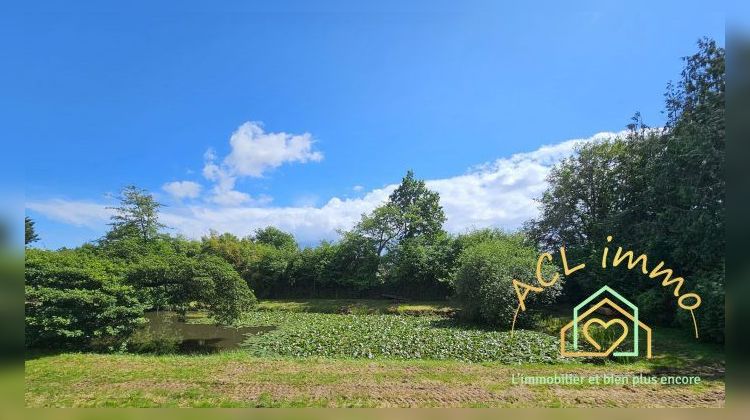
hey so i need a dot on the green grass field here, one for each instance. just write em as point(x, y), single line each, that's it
point(341, 353)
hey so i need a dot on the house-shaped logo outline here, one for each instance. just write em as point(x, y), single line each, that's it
point(578, 317)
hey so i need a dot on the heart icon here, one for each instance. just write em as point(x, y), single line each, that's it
point(605, 325)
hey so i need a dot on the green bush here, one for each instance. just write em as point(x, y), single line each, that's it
point(312, 270)
point(267, 269)
point(229, 295)
point(74, 301)
point(483, 282)
point(175, 282)
point(263, 265)
point(354, 265)
point(167, 281)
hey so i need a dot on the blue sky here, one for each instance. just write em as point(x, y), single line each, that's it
point(329, 103)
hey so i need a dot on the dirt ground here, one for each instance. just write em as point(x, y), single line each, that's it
point(99, 380)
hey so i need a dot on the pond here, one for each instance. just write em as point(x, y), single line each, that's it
point(189, 337)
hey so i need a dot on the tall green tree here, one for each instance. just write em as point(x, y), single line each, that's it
point(137, 215)
point(658, 192)
point(692, 157)
point(407, 236)
point(31, 235)
point(412, 210)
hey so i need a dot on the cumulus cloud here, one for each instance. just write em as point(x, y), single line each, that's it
point(182, 189)
point(253, 152)
point(500, 193)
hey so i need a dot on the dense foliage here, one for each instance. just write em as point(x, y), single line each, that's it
point(658, 192)
point(398, 249)
point(486, 271)
point(75, 300)
point(176, 282)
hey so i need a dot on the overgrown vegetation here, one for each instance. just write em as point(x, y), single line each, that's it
point(393, 336)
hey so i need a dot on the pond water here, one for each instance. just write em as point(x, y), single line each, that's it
point(198, 338)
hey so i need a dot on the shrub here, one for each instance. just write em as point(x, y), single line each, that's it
point(483, 283)
point(167, 281)
point(229, 295)
point(73, 302)
point(175, 282)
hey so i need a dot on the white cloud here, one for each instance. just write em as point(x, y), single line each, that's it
point(182, 189)
point(253, 152)
point(308, 224)
point(499, 193)
point(358, 188)
point(76, 213)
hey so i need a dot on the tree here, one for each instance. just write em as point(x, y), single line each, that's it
point(582, 197)
point(419, 208)
point(407, 236)
point(229, 296)
point(412, 210)
point(136, 216)
point(167, 281)
point(175, 282)
point(690, 228)
point(582, 205)
point(422, 267)
point(275, 237)
point(692, 159)
point(31, 235)
point(233, 250)
point(355, 263)
point(384, 227)
point(316, 269)
point(658, 192)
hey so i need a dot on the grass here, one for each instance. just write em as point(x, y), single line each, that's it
point(235, 379)
point(372, 355)
point(355, 306)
